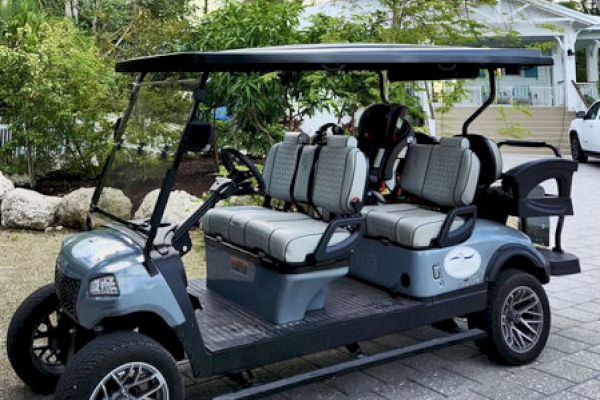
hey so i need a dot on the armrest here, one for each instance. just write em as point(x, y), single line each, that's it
point(325, 252)
point(447, 236)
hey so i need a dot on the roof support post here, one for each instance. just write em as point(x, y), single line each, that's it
point(591, 56)
point(486, 103)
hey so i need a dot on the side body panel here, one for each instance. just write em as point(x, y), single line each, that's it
point(436, 271)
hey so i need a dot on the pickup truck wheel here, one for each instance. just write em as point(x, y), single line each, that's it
point(576, 151)
point(517, 319)
point(35, 339)
point(121, 365)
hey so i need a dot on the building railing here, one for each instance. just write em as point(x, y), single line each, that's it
point(588, 91)
point(536, 96)
point(5, 135)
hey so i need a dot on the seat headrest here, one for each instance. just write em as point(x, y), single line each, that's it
point(296, 138)
point(490, 157)
point(341, 141)
point(454, 142)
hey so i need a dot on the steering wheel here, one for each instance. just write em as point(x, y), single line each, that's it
point(321, 134)
point(232, 161)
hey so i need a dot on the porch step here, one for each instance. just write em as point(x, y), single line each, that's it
point(548, 124)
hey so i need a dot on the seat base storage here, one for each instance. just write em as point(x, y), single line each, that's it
point(277, 297)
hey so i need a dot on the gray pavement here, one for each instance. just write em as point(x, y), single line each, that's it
point(568, 369)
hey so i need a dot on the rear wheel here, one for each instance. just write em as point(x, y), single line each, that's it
point(576, 151)
point(36, 339)
point(121, 365)
point(517, 319)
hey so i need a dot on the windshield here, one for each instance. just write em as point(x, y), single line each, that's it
point(144, 149)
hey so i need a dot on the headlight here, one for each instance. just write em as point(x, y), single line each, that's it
point(104, 286)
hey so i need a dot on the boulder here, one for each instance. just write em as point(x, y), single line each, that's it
point(73, 208)
point(23, 208)
point(6, 185)
point(180, 206)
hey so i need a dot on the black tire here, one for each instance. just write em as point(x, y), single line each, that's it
point(495, 345)
point(106, 353)
point(576, 151)
point(38, 374)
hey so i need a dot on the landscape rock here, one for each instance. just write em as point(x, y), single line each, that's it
point(73, 208)
point(6, 185)
point(180, 206)
point(28, 209)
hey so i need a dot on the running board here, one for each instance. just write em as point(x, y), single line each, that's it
point(353, 365)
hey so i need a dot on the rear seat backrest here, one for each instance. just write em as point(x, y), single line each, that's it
point(280, 166)
point(444, 174)
point(340, 176)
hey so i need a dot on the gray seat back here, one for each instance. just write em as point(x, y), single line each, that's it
point(340, 176)
point(490, 158)
point(280, 165)
point(444, 174)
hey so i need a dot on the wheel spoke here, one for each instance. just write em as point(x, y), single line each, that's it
point(522, 319)
point(136, 380)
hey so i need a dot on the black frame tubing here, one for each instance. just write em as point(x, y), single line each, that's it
point(486, 104)
point(171, 175)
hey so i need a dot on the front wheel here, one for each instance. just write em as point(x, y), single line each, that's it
point(35, 340)
point(517, 319)
point(121, 365)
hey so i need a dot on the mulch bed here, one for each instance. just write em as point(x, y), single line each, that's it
point(195, 176)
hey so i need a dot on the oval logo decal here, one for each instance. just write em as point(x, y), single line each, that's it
point(462, 262)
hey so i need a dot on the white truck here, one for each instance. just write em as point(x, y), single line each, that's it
point(584, 133)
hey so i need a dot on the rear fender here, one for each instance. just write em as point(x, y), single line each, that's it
point(518, 256)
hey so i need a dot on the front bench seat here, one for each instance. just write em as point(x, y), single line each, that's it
point(339, 183)
point(229, 223)
point(444, 175)
point(337, 188)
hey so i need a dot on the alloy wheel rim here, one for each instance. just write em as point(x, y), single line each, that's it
point(44, 343)
point(522, 319)
point(132, 381)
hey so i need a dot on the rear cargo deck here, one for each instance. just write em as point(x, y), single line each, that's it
point(225, 325)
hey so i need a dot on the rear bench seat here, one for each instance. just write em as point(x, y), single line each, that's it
point(443, 175)
point(336, 187)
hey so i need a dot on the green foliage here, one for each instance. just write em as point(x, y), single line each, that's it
point(256, 102)
point(57, 94)
point(513, 129)
point(58, 86)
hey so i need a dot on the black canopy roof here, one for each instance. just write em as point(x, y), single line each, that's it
point(405, 62)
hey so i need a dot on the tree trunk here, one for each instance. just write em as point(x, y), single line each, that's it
point(31, 165)
point(72, 10)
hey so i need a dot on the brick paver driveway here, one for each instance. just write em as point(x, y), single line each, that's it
point(569, 368)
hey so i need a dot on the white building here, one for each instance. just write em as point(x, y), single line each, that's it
point(534, 21)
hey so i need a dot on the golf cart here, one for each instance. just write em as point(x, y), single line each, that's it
point(357, 237)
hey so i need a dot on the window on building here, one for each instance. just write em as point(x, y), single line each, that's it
point(531, 72)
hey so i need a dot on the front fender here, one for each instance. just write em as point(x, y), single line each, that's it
point(536, 263)
point(139, 292)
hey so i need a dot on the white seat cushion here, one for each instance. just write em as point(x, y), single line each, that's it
point(405, 224)
point(230, 222)
point(289, 241)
